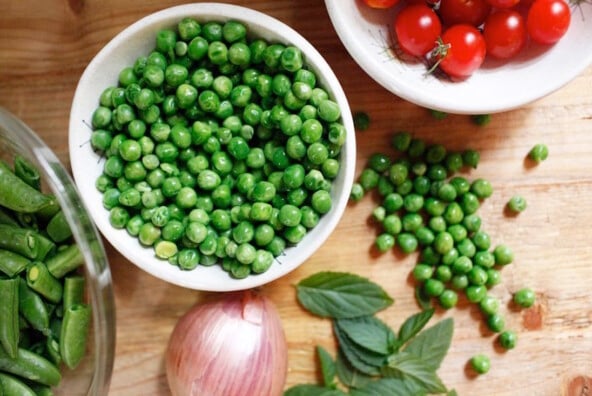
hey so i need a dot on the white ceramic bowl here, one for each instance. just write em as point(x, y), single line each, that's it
point(495, 87)
point(102, 72)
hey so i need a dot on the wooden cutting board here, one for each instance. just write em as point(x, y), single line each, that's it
point(43, 51)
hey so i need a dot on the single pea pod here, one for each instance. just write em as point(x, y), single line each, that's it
point(27, 172)
point(17, 195)
point(40, 279)
point(30, 366)
point(12, 386)
point(58, 228)
point(9, 319)
point(64, 261)
point(26, 242)
point(12, 263)
point(74, 334)
point(73, 291)
point(32, 307)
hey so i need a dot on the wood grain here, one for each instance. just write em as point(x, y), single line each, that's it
point(44, 48)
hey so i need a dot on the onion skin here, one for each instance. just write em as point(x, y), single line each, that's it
point(231, 346)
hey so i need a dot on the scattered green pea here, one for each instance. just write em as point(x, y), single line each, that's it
point(480, 363)
point(517, 204)
point(538, 153)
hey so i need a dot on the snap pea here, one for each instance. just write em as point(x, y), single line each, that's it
point(9, 319)
point(26, 242)
point(31, 366)
point(40, 279)
point(58, 228)
point(12, 263)
point(17, 195)
point(73, 334)
point(12, 386)
point(27, 172)
point(64, 261)
point(32, 307)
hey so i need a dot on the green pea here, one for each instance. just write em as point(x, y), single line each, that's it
point(291, 59)
point(503, 255)
point(384, 242)
point(480, 363)
point(407, 242)
point(496, 322)
point(422, 272)
point(448, 299)
point(321, 201)
point(538, 153)
point(433, 287)
point(516, 204)
point(524, 297)
point(507, 339)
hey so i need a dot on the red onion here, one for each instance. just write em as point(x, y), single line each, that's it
point(232, 346)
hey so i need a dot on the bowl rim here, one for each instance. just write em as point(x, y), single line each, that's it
point(261, 25)
point(99, 282)
point(414, 93)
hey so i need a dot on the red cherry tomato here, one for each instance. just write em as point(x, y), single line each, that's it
point(417, 28)
point(380, 3)
point(503, 3)
point(473, 12)
point(505, 34)
point(465, 51)
point(548, 20)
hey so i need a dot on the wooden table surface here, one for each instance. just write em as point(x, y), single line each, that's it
point(44, 48)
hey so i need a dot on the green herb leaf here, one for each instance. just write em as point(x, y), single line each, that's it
point(413, 325)
point(423, 300)
point(327, 367)
point(368, 332)
point(341, 295)
point(432, 344)
point(312, 390)
point(348, 375)
point(387, 386)
point(366, 361)
point(415, 371)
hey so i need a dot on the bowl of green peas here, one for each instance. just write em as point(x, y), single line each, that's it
point(213, 145)
point(57, 317)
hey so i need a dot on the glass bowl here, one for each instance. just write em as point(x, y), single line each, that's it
point(93, 374)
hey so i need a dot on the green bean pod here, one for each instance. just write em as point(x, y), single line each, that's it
point(40, 279)
point(31, 366)
point(32, 307)
point(73, 291)
point(12, 263)
point(9, 319)
point(42, 390)
point(11, 386)
point(65, 261)
point(58, 228)
point(17, 195)
point(27, 172)
point(73, 336)
point(26, 242)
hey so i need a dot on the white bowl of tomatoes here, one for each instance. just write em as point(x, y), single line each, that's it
point(467, 56)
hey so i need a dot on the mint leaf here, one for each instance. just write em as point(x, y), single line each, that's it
point(366, 361)
point(368, 332)
point(348, 375)
point(312, 390)
point(423, 300)
point(432, 344)
point(416, 372)
point(341, 295)
point(387, 386)
point(327, 367)
point(413, 325)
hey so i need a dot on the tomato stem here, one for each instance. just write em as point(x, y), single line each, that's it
point(439, 53)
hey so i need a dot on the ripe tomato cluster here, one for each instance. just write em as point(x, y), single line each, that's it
point(457, 35)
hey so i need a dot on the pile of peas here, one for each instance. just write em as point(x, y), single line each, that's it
point(220, 148)
point(426, 206)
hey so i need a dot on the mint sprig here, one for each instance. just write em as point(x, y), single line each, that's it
point(372, 358)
